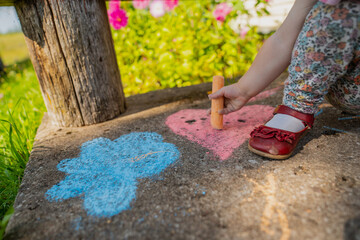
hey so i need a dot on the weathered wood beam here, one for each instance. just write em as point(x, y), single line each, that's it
point(72, 51)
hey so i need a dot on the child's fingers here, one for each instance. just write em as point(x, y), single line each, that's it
point(224, 111)
point(227, 107)
point(230, 107)
point(217, 94)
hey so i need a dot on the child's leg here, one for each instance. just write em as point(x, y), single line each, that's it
point(322, 55)
point(323, 62)
point(344, 94)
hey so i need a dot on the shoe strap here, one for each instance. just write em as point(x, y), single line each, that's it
point(308, 119)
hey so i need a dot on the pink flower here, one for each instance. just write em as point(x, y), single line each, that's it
point(114, 4)
point(171, 4)
point(140, 4)
point(221, 11)
point(157, 8)
point(244, 31)
point(117, 18)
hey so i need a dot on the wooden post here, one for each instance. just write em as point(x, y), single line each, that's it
point(72, 51)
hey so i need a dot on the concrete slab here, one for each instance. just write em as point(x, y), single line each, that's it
point(197, 195)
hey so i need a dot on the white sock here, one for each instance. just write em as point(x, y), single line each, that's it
point(286, 122)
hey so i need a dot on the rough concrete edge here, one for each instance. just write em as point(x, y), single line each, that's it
point(140, 104)
point(44, 128)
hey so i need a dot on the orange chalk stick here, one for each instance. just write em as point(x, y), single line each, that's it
point(217, 104)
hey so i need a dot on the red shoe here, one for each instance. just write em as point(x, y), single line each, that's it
point(276, 143)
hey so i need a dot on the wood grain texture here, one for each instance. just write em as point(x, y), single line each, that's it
point(72, 51)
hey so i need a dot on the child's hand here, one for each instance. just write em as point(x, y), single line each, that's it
point(273, 58)
point(234, 99)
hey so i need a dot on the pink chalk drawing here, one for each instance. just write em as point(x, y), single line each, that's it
point(194, 124)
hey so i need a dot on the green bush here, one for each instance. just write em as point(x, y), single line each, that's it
point(186, 46)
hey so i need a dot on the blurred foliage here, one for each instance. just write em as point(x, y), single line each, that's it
point(184, 47)
point(5, 220)
point(13, 48)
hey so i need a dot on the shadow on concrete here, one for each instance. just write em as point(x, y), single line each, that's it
point(352, 229)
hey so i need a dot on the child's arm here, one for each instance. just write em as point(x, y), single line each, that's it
point(272, 59)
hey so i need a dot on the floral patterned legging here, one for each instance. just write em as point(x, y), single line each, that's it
point(326, 60)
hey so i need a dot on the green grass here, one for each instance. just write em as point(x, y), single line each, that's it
point(13, 48)
point(21, 110)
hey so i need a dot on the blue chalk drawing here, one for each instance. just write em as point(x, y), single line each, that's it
point(106, 173)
